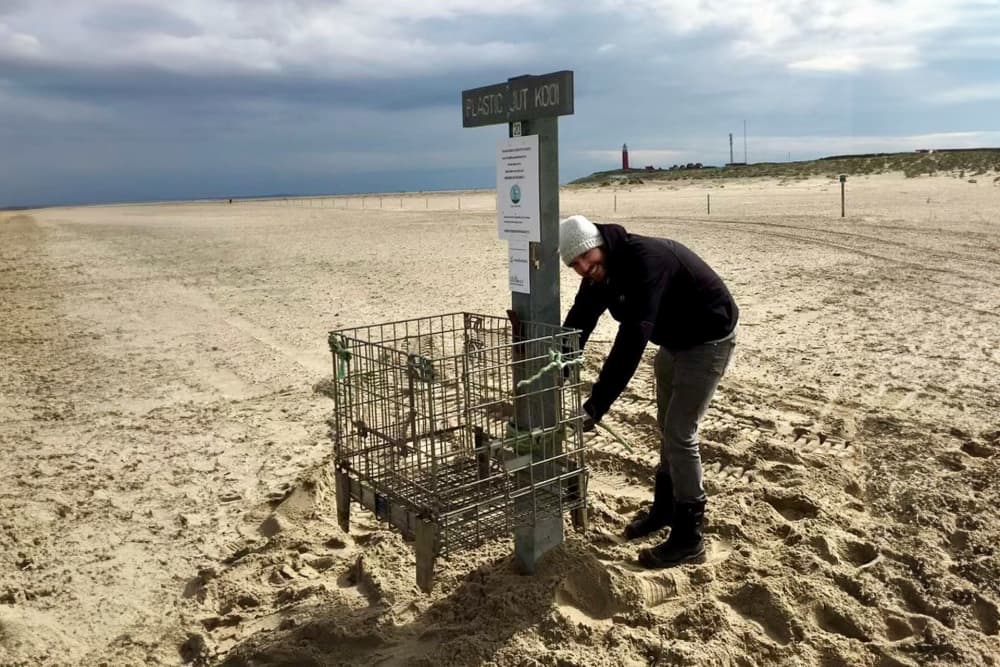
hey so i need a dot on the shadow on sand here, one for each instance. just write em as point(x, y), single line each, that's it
point(484, 611)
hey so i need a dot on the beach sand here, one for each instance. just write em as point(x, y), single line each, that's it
point(167, 491)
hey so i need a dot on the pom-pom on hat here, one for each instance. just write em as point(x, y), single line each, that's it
point(577, 235)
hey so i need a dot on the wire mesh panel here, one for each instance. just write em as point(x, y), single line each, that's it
point(469, 423)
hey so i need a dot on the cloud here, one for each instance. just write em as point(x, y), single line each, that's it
point(18, 106)
point(353, 39)
point(821, 35)
point(344, 40)
point(18, 44)
point(284, 91)
point(889, 58)
point(983, 92)
point(138, 19)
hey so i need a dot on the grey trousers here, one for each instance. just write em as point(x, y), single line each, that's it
point(685, 383)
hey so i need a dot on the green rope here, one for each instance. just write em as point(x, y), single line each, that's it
point(556, 363)
point(338, 346)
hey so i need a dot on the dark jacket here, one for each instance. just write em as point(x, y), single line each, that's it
point(659, 291)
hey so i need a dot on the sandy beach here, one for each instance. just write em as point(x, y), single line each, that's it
point(166, 493)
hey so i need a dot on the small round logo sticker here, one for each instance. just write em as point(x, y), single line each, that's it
point(515, 193)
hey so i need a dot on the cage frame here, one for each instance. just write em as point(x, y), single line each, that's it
point(501, 405)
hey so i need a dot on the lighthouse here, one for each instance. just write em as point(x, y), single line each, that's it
point(624, 157)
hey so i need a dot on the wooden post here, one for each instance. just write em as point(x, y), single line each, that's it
point(843, 181)
point(709, 195)
point(530, 105)
point(426, 552)
point(545, 532)
point(542, 305)
point(342, 483)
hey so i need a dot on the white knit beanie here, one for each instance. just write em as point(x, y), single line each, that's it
point(577, 235)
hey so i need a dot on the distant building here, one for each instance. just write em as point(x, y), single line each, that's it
point(624, 157)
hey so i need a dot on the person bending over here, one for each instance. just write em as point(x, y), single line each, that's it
point(659, 291)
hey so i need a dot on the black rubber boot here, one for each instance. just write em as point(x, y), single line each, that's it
point(659, 514)
point(686, 543)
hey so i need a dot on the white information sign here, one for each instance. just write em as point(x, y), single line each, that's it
point(518, 267)
point(517, 189)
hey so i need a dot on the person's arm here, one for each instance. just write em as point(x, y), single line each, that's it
point(626, 352)
point(588, 306)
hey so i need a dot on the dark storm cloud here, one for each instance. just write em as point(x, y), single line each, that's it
point(109, 97)
point(111, 20)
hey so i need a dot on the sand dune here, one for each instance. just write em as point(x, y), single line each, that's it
point(167, 495)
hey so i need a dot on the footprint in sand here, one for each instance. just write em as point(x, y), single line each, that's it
point(655, 587)
point(897, 398)
point(765, 610)
point(821, 444)
point(916, 601)
point(786, 455)
point(897, 627)
point(731, 474)
point(987, 615)
point(793, 507)
point(837, 548)
point(977, 449)
point(861, 555)
point(597, 588)
point(726, 466)
point(586, 594)
point(660, 586)
point(857, 587)
point(837, 621)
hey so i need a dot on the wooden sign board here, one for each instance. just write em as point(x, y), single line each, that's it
point(520, 98)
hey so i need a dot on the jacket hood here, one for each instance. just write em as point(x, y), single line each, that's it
point(615, 238)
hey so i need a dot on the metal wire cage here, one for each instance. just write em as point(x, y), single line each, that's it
point(458, 428)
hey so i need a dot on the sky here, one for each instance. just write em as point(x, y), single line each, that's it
point(104, 100)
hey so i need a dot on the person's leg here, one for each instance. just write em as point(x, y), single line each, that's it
point(697, 373)
point(663, 373)
point(659, 514)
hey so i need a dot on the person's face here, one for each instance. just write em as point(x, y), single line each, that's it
point(590, 265)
